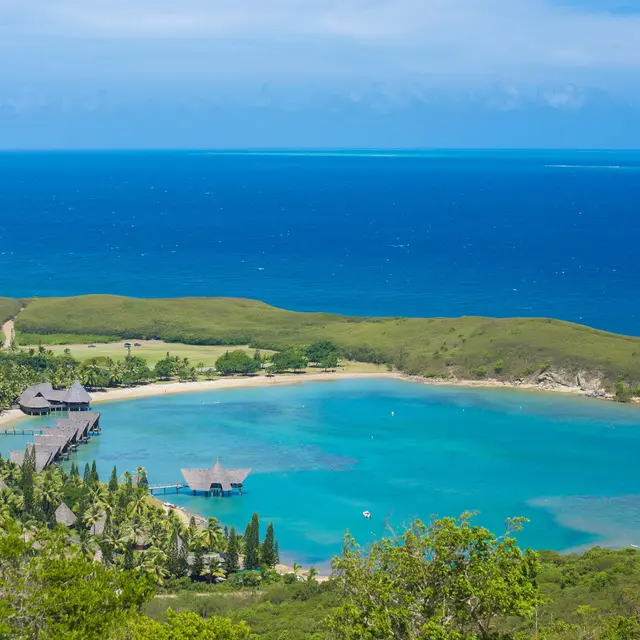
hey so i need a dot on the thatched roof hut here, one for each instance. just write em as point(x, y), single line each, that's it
point(65, 516)
point(217, 477)
point(77, 395)
point(34, 403)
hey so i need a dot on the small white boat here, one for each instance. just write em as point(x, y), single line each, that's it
point(366, 514)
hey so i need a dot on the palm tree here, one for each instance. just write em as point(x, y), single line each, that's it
point(88, 545)
point(10, 472)
point(154, 563)
point(49, 489)
point(99, 495)
point(133, 530)
point(212, 570)
point(212, 538)
point(138, 506)
point(312, 573)
point(296, 568)
point(92, 515)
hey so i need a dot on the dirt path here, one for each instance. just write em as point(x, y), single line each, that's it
point(8, 330)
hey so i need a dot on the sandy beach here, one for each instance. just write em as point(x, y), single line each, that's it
point(12, 417)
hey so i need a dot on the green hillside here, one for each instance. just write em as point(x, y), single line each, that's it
point(469, 347)
point(9, 307)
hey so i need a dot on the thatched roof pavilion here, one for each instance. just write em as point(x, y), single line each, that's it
point(42, 398)
point(217, 478)
point(65, 516)
point(34, 404)
point(76, 395)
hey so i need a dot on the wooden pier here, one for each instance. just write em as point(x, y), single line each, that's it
point(165, 487)
point(22, 432)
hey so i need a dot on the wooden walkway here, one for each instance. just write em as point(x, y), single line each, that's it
point(165, 487)
point(21, 432)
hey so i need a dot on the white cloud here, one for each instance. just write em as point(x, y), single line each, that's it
point(465, 43)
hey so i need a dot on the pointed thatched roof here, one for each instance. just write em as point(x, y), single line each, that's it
point(65, 516)
point(217, 477)
point(37, 401)
point(77, 394)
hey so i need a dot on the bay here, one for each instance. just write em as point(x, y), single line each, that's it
point(322, 453)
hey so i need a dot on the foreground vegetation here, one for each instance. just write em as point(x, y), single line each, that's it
point(467, 347)
point(131, 578)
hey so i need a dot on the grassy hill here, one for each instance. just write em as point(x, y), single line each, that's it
point(9, 307)
point(469, 347)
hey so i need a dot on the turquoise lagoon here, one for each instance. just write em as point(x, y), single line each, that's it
point(322, 453)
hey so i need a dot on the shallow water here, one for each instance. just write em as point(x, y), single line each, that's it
point(322, 453)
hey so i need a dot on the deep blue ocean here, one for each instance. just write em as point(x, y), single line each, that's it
point(374, 233)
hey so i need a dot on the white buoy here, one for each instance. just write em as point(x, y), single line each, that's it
point(366, 514)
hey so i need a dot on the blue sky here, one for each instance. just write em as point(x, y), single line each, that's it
point(319, 73)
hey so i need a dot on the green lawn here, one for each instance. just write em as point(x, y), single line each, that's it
point(469, 347)
point(151, 350)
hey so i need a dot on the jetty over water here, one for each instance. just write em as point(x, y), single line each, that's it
point(54, 444)
point(215, 481)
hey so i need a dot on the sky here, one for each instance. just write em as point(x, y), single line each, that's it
point(319, 73)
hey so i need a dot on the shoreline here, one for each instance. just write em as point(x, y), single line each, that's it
point(13, 416)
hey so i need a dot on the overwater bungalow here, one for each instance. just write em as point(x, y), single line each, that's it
point(42, 398)
point(215, 481)
point(57, 443)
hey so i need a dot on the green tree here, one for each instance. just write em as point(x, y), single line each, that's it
point(165, 368)
point(57, 594)
point(236, 362)
point(212, 538)
point(27, 479)
point(232, 557)
point(86, 477)
point(319, 351)
point(330, 361)
point(268, 549)
point(143, 481)
point(198, 563)
point(94, 479)
point(252, 544)
point(289, 360)
point(186, 626)
point(113, 480)
point(451, 579)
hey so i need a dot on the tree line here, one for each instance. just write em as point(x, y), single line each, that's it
point(22, 368)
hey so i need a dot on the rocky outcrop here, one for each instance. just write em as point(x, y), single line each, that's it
point(588, 382)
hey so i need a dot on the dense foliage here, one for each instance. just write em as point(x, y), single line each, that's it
point(451, 579)
point(467, 347)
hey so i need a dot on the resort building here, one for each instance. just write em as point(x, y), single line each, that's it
point(57, 443)
point(65, 516)
point(43, 398)
point(217, 480)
